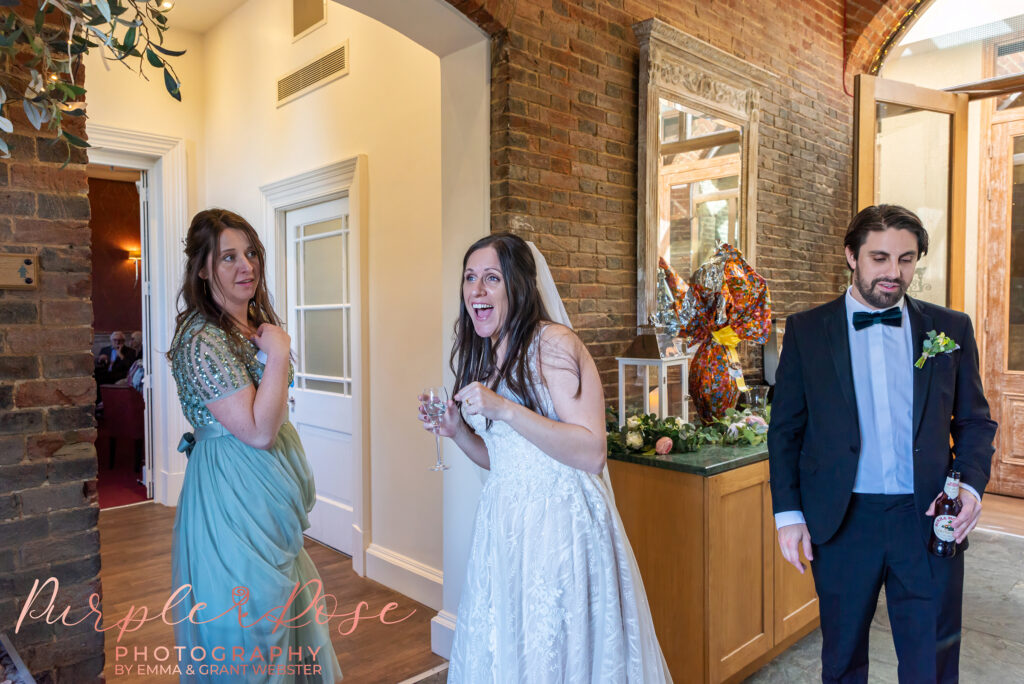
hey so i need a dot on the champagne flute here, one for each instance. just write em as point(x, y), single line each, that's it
point(435, 405)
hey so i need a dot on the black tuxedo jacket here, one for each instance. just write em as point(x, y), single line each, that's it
point(814, 437)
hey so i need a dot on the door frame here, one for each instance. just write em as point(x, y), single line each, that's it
point(163, 160)
point(871, 89)
point(996, 206)
point(346, 178)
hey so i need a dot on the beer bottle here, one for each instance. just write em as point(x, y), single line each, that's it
point(947, 507)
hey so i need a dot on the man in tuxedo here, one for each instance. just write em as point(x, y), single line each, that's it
point(859, 449)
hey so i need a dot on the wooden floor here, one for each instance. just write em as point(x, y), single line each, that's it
point(1002, 514)
point(135, 546)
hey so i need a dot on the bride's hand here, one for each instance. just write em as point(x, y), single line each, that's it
point(450, 421)
point(478, 399)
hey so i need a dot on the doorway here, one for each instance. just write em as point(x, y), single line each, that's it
point(320, 267)
point(973, 51)
point(116, 198)
point(1003, 329)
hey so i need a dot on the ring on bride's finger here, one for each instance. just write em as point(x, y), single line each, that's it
point(469, 402)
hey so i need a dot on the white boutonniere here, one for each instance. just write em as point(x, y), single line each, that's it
point(935, 344)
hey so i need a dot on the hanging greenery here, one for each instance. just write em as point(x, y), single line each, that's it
point(41, 57)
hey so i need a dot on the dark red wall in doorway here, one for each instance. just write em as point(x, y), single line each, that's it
point(116, 299)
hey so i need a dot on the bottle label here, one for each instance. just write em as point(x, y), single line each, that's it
point(943, 527)
point(952, 488)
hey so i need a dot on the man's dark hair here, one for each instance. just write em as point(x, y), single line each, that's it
point(884, 217)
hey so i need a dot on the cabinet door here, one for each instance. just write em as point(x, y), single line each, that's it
point(740, 569)
point(796, 601)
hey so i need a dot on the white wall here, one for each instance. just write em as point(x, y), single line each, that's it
point(465, 192)
point(940, 69)
point(120, 98)
point(388, 108)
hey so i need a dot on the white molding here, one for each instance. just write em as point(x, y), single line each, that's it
point(359, 541)
point(405, 575)
point(164, 159)
point(309, 187)
point(121, 139)
point(345, 178)
point(442, 634)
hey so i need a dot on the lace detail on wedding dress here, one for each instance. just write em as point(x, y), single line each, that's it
point(552, 593)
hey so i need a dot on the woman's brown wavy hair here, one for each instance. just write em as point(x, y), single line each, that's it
point(472, 358)
point(202, 243)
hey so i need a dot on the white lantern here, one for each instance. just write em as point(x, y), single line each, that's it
point(655, 350)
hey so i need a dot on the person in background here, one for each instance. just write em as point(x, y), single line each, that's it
point(137, 372)
point(113, 361)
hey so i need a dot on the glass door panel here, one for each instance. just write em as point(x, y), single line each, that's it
point(910, 147)
point(912, 169)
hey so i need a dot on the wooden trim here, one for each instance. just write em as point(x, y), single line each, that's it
point(984, 216)
point(703, 169)
point(702, 143)
point(897, 92)
point(863, 141)
point(114, 173)
point(748, 200)
point(990, 87)
point(957, 205)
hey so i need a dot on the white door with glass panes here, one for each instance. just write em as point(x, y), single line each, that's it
point(319, 285)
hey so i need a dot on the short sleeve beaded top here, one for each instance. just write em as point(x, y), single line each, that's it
point(208, 365)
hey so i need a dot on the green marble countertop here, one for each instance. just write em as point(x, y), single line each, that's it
point(709, 461)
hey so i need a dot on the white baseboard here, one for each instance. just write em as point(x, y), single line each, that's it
point(167, 487)
point(405, 575)
point(442, 634)
point(358, 551)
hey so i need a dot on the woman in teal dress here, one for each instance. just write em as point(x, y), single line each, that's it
point(248, 487)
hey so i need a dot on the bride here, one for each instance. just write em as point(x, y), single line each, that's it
point(552, 589)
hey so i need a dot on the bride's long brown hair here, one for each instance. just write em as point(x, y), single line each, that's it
point(473, 357)
point(195, 295)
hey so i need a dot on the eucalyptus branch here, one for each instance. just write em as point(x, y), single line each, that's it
point(40, 60)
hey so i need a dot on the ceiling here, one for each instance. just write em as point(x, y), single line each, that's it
point(199, 16)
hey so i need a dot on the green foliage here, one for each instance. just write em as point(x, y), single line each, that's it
point(40, 60)
point(642, 432)
point(935, 344)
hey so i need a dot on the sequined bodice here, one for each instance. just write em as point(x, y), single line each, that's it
point(208, 366)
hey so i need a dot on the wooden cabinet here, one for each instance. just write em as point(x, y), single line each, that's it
point(724, 601)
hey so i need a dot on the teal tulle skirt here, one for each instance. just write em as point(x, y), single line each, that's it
point(238, 528)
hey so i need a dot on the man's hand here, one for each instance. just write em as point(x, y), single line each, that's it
point(968, 517)
point(791, 539)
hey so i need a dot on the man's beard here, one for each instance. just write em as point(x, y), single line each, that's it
point(879, 298)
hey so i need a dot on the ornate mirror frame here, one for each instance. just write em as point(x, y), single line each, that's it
point(678, 67)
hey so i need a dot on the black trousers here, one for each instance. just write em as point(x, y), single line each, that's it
point(880, 542)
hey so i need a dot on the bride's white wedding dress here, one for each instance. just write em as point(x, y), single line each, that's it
point(552, 590)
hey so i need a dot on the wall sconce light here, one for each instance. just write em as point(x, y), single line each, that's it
point(135, 255)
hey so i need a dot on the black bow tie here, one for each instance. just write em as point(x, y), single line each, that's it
point(863, 319)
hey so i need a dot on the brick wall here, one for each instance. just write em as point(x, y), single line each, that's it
point(564, 127)
point(48, 508)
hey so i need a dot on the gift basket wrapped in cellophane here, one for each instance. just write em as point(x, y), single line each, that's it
point(727, 301)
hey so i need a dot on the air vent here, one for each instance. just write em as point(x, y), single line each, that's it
point(319, 72)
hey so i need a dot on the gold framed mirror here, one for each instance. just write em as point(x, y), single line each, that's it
point(697, 154)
